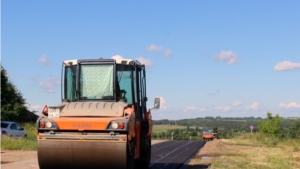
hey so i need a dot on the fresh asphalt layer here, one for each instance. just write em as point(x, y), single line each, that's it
point(173, 154)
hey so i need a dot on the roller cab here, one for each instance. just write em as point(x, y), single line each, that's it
point(102, 120)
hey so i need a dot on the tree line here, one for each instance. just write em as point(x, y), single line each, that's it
point(231, 127)
point(13, 104)
point(179, 134)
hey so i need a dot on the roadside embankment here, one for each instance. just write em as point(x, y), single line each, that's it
point(247, 153)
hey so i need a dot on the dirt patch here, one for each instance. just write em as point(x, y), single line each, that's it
point(10, 156)
point(212, 150)
point(205, 156)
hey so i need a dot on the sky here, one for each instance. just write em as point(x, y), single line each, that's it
point(204, 58)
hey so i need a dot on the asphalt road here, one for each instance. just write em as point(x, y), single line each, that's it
point(173, 154)
point(165, 155)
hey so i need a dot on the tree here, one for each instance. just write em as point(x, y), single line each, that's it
point(194, 133)
point(294, 130)
point(154, 135)
point(215, 129)
point(12, 102)
point(271, 126)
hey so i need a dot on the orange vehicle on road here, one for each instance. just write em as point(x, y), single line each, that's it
point(102, 121)
point(208, 135)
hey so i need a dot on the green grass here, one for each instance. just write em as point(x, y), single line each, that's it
point(29, 143)
point(271, 141)
point(258, 151)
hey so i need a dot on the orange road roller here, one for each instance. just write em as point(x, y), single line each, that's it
point(102, 120)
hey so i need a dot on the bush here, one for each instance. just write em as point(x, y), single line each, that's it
point(271, 126)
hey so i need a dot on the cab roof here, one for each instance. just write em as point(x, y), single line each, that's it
point(118, 61)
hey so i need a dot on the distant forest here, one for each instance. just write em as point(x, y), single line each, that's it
point(221, 122)
point(230, 127)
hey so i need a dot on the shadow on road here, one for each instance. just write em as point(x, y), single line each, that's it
point(200, 166)
point(177, 166)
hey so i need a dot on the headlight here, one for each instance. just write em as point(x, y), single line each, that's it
point(48, 124)
point(114, 125)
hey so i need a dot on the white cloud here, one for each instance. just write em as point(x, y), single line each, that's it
point(282, 105)
point(44, 60)
point(36, 108)
point(286, 65)
point(191, 108)
point(148, 63)
point(221, 108)
point(117, 57)
point(227, 108)
point(49, 84)
point(168, 53)
point(236, 103)
point(290, 105)
point(227, 56)
point(165, 51)
point(162, 103)
point(254, 106)
point(154, 48)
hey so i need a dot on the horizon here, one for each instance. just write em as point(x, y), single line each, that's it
point(228, 118)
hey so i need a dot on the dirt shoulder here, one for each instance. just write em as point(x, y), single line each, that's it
point(205, 156)
point(10, 156)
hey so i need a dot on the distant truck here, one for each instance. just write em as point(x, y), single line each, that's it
point(209, 135)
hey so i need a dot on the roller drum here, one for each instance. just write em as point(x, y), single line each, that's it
point(81, 154)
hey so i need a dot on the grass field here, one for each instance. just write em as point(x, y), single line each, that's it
point(255, 151)
point(161, 128)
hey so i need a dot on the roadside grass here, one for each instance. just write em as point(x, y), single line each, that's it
point(256, 151)
point(29, 143)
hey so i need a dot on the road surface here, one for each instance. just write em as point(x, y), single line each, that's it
point(165, 155)
point(173, 154)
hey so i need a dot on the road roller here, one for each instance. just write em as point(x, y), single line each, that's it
point(102, 120)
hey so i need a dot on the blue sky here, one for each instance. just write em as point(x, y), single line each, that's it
point(203, 58)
